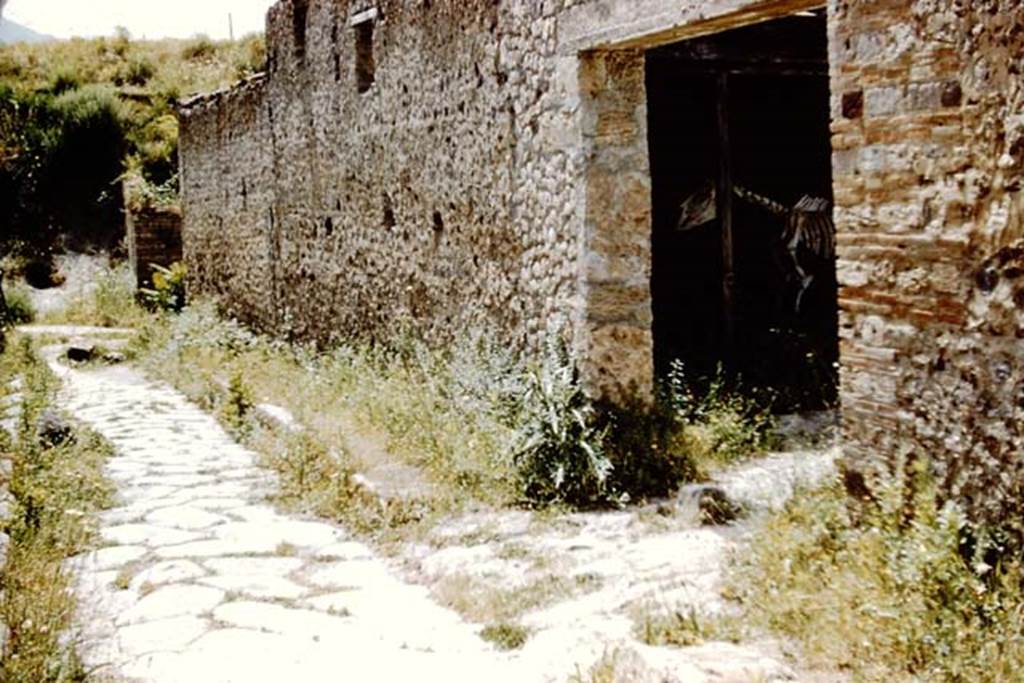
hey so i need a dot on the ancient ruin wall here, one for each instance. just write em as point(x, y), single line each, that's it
point(437, 197)
point(472, 185)
point(154, 238)
point(928, 139)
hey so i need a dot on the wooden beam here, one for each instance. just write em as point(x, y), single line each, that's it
point(724, 199)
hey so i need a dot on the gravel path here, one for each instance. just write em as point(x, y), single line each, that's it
point(200, 579)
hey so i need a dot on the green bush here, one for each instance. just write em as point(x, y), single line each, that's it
point(139, 71)
point(65, 80)
point(67, 134)
point(558, 450)
point(168, 291)
point(198, 49)
point(65, 158)
point(19, 306)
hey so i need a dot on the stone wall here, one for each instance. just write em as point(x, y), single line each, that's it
point(351, 214)
point(928, 140)
point(495, 175)
point(154, 237)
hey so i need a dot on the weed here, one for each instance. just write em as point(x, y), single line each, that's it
point(887, 595)
point(684, 627)
point(558, 451)
point(235, 407)
point(19, 306)
point(123, 580)
point(604, 670)
point(168, 291)
point(482, 602)
point(721, 425)
point(110, 303)
point(57, 491)
point(505, 635)
point(285, 549)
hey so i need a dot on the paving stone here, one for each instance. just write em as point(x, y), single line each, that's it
point(349, 574)
point(172, 601)
point(218, 548)
point(184, 517)
point(261, 586)
point(163, 635)
point(171, 571)
point(109, 558)
point(274, 566)
point(350, 550)
point(301, 534)
point(219, 504)
point(147, 534)
point(298, 623)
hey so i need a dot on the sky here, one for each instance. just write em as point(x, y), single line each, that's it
point(142, 18)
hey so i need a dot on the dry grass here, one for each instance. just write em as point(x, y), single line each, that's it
point(684, 627)
point(482, 424)
point(164, 68)
point(886, 597)
point(57, 491)
point(109, 303)
point(480, 601)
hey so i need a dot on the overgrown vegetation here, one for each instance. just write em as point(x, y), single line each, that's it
point(894, 588)
point(684, 627)
point(109, 302)
point(168, 290)
point(58, 487)
point(483, 423)
point(19, 309)
point(77, 116)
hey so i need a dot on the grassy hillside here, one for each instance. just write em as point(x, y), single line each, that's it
point(78, 117)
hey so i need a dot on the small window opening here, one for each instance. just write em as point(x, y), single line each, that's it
point(300, 15)
point(389, 212)
point(365, 68)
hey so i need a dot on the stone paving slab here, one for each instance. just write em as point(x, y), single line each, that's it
point(201, 579)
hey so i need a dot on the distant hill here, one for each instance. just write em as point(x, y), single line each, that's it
point(11, 32)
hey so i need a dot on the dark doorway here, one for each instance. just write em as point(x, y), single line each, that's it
point(746, 109)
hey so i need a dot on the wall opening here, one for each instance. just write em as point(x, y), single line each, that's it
point(738, 133)
point(365, 66)
point(300, 18)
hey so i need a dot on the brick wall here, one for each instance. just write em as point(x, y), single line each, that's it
point(154, 237)
point(928, 144)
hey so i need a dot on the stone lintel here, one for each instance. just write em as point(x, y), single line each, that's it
point(644, 24)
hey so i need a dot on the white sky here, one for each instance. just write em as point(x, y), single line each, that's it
point(143, 18)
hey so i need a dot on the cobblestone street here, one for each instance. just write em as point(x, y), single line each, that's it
point(200, 579)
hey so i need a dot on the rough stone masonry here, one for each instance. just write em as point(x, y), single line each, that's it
point(474, 163)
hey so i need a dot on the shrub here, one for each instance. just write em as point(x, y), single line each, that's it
point(168, 291)
point(139, 71)
point(558, 451)
point(65, 80)
point(199, 48)
point(19, 306)
point(110, 302)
